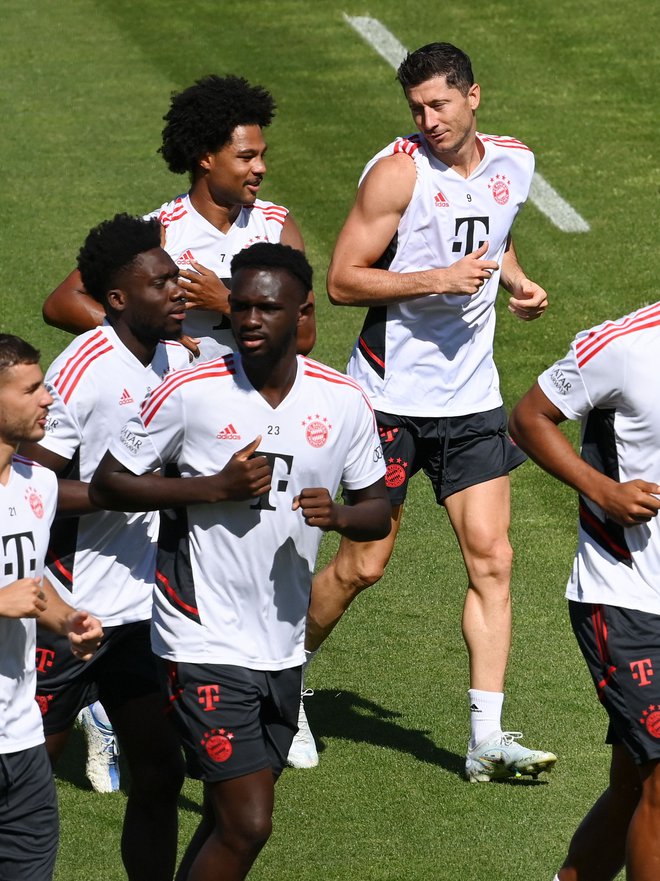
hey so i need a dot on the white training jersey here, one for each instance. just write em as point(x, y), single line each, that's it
point(27, 508)
point(609, 381)
point(233, 584)
point(433, 356)
point(190, 237)
point(103, 561)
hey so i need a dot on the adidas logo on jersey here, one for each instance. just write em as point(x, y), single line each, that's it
point(440, 200)
point(125, 398)
point(185, 258)
point(228, 433)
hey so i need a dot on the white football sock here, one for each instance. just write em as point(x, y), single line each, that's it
point(485, 714)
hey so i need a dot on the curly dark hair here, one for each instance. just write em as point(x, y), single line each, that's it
point(436, 59)
point(201, 119)
point(274, 255)
point(111, 247)
point(15, 350)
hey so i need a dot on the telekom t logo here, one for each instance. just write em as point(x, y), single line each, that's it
point(642, 671)
point(209, 696)
point(45, 658)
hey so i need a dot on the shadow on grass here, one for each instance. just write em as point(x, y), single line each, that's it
point(71, 768)
point(349, 716)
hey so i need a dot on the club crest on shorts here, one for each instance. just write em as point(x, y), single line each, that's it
point(395, 473)
point(217, 743)
point(651, 720)
point(317, 430)
point(42, 702)
point(33, 498)
point(499, 187)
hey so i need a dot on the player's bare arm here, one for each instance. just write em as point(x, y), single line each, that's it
point(306, 332)
point(245, 476)
point(71, 308)
point(528, 299)
point(367, 518)
point(381, 202)
point(22, 599)
point(534, 425)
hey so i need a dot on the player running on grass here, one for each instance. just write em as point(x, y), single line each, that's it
point(425, 248)
point(233, 584)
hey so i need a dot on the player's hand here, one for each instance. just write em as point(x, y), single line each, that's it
point(23, 599)
point(469, 274)
point(631, 503)
point(246, 475)
point(192, 344)
point(204, 290)
point(317, 507)
point(528, 300)
point(85, 633)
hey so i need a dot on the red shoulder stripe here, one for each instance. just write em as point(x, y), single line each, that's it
point(74, 369)
point(159, 395)
point(405, 145)
point(596, 340)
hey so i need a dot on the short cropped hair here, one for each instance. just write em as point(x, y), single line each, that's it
point(15, 350)
point(272, 255)
point(202, 118)
point(111, 247)
point(436, 59)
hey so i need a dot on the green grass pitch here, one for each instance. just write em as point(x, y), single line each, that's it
point(83, 88)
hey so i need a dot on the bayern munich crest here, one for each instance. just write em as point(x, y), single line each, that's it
point(317, 430)
point(35, 502)
point(395, 473)
point(499, 187)
point(651, 720)
point(217, 743)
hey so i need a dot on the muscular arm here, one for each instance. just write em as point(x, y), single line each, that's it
point(528, 300)
point(380, 204)
point(367, 518)
point(71, 308)
point(245, 476)
point(534, 425)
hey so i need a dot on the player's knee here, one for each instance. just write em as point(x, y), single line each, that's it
point(158, 782)
point(493, 559)
point(651, 790)
point(358, 572)
point(247, 832)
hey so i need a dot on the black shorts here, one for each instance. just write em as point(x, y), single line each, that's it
point(124, 668)
point(233, 721)
point(454, 452)
point(622, 650)
point(29, 825)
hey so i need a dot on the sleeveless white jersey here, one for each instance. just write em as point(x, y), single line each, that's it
point(27, 508)
point(609, 381)
point(433, 356)
point(189, 236)
point(103, 561)
point(236, 588)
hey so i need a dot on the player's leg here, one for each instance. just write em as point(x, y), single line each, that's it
point(598, 847)
point(242, 822)
point(29, 827)
point(643, 852)
point(480, 516)
point(152, 753)
point(357, 565)
point(130, 690)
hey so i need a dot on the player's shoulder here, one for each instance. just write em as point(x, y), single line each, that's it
point(268, 211)
point(503, 142)
point(186, 382)
point(32, 471)
point(620, 334)
point(81, 361)
point(395, 158)
point(174, 210)
point(328, 377)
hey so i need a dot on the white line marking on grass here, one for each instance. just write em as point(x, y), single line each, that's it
point(545, 197)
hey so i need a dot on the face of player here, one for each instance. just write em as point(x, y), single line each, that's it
point(235, 172)
point(444, 115)
point(150, 303)
point(24, 403)
point(265, 308)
